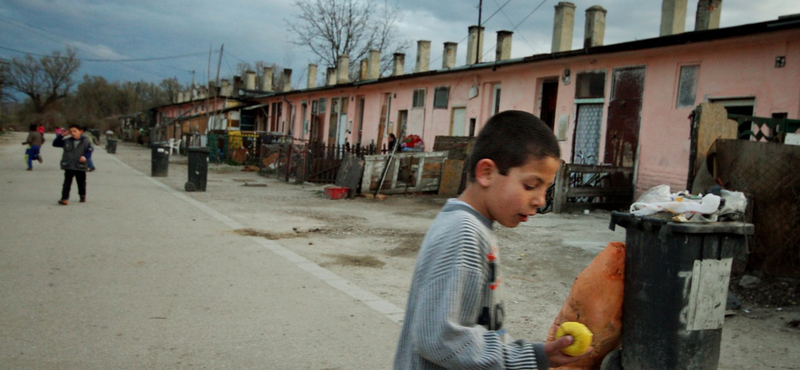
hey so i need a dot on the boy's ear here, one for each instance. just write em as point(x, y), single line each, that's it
point(485, 171)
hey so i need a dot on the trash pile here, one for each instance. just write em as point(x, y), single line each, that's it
point(718, 205)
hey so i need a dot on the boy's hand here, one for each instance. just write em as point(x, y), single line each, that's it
point(554, 355)
point(83, 159)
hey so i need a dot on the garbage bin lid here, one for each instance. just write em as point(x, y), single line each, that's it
point(199, 149)
point(627, 220)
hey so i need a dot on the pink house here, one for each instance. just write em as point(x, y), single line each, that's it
point(624, 104)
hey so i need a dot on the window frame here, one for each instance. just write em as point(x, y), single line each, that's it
point(436, 91)
point(415, 98)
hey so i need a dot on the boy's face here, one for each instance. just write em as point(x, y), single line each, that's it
point(75, 132)
point(514, 197)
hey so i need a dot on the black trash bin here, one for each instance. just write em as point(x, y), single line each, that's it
point(111, 146)
point(160, 159)
point(198, 168)
point(676, 287)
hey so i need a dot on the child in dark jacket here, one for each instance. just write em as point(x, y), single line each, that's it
point(77, 150)
point(34, 141)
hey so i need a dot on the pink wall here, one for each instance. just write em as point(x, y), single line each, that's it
point(741, 67)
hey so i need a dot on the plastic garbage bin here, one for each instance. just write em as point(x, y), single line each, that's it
point(111, 146)
point(160, 159)
point(198, 168)
point(676, 287)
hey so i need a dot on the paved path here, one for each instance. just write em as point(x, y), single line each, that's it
point(143, 277)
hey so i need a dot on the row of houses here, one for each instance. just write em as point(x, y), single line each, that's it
point(624, 105)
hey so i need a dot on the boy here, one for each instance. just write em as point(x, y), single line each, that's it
point(34, 142)
point(453, 318)
point(77, 150)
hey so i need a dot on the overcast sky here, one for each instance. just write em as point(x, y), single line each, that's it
point(256, 30)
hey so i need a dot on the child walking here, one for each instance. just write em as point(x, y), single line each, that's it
point(77, 150)
point(454, 316)
point(34, 141)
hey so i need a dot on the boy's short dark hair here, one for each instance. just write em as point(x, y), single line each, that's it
point(75, 125)
point(510, 139)
point(32, 127)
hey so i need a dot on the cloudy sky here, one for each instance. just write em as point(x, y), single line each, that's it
point(175, 36)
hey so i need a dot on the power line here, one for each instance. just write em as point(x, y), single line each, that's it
point(110, 60)
point(512, 23)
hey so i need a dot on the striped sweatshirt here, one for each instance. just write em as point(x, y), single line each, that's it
point(453, 318)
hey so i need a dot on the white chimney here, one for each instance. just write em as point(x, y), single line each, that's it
point(226, 88)
point(398, 62)
point(374, 64)
point(474, 45)
point(330, 76)
point(503, 49)
point(343, 66)
point(266, 80)
point(563, 26)
point(179, 98)
point(287, 79)
point(449, 54)
point(312, 76)
point(250, 80)
point(673, 17)
point(595, 27)
point(708, 15)
point(423, 55)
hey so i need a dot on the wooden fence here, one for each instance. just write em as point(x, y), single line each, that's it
point(310, 162)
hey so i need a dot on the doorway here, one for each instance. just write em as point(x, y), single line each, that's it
point(624, 116)
point(402, 123)
point(547, 109)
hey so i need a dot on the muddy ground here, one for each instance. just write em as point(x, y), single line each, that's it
point(374, 244)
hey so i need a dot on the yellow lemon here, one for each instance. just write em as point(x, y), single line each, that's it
point(581, 334)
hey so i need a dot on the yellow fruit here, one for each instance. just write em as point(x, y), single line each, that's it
point(580, 333)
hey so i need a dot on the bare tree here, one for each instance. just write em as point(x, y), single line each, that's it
point(331, 28)
point(45, 80)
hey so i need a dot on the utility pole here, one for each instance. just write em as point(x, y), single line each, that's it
point(478, 43)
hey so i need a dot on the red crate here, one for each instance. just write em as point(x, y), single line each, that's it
point(336, 192)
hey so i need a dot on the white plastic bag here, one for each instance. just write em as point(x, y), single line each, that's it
point(658, 199)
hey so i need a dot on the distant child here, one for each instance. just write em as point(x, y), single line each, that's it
point(34, 142)
point(454, 317)
point(77, 150)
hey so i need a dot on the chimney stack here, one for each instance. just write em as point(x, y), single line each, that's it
point(363, 72)
point(237, 84)
point(343, 66)
point(595, 27)
point(398, 62)
point(708, 14)
point(449, 54)
point(374, 64)
point(287, 79)
point(423, 55)
point(330, 76)
point(312, 76)
point(503, 49)
point(563, 26)
point(266, 80)
point(673, 17)
point(212, 90)
point(179, 98)
point(474, 45)
point(250, 82)
point(226, 88)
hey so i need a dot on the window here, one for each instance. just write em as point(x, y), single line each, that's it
point(441, 96)
point(496, 99)
point(321, 106)
point(590, 85)
point(419, 99)
point(687, 86)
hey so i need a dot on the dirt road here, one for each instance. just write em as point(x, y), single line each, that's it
point(373, 245)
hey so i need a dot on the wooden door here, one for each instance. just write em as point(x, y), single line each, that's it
point(624, 116)
point(458, 122)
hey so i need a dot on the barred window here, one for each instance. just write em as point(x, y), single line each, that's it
point(441, 96)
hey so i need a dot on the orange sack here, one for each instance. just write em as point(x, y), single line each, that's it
point(596, 301)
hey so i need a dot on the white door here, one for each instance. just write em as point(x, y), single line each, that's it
point(459, 124)
point(342, 129)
